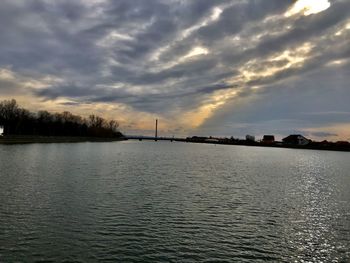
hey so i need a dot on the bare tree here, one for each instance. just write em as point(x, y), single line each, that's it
point(20, 121)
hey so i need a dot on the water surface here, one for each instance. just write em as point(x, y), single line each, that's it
point(172, 202)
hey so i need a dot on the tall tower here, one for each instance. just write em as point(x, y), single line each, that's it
point(156, 135)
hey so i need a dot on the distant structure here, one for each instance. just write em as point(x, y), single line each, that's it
point(1, 130)
point(343, 143)
point(250, 138)
point(268, 139)
point(296, 139)
point(156, 133)
point(196, 138)
point(211, 140)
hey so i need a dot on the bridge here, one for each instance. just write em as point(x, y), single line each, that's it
point(152, 138)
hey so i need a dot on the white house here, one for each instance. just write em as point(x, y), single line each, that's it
point(296, 139)
point(211, 140)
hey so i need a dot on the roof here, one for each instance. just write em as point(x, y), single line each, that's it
point(293, 137)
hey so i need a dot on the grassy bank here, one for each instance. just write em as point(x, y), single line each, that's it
point(19, 139)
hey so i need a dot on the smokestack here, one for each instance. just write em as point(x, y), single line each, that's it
point(156, 135)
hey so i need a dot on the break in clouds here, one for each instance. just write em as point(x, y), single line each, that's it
point(202, 67)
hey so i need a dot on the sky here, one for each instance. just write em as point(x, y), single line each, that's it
point(202, 67)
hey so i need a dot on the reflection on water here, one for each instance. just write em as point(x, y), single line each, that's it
point(173, 202)
point(317, 212)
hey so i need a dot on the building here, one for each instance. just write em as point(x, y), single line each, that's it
point(342, 143)
point(296, 139)
point(250, 138)
point(196, 139)
point(1, 130)
point(268, 139)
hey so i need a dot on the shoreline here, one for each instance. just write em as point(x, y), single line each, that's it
point(27, 139)
point(297, 147)
point(31, 139)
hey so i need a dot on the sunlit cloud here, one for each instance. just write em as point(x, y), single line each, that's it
point(196, 52)
point(252, 70)
point(338, 62)
point(341, 31)
point(197, 117)
point(308, 7)
point(112, 38)
point(293, 58)
point(214, 16)
point(26, 82)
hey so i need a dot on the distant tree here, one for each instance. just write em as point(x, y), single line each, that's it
point(113, 125)
point(20, 121)
point(8, 115)
point(96, 121)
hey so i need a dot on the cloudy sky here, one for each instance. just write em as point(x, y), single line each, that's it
point(202, 67)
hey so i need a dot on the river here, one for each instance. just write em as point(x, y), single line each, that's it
point(172, 202)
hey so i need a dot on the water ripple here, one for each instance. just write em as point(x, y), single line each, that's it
point(161, 202)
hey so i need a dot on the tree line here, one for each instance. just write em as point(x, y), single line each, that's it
point(19, 121)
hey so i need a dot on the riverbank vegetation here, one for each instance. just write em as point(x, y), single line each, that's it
point(19, 121)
